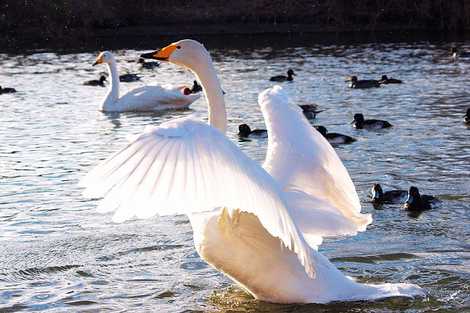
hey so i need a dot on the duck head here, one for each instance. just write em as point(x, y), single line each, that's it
point(384, 77)
point(186, 91)
point(290, 73)
point(353, 79)
point(322, 130)
point(358, 120)
point(244, 130)
point(468, 113)
point(196, 87)
point(102, 79)
point(377, 192)
point(187, 53)
point(104, 57)
point(413, 201)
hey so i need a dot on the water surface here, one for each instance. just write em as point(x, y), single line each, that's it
point(58, 255)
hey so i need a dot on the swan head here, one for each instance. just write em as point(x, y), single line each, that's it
point(104, 57)
point(187, 53)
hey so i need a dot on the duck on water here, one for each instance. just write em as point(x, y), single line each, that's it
point(283, 78)
point(360, 123)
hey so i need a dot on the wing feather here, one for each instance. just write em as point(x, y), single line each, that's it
point(184, 167)
point(299, 158)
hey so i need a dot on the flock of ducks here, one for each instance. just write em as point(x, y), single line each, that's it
point(355, 83)
point(412, 200)
point(260, 225)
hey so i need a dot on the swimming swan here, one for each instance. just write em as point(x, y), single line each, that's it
point(147, 98)
point(259, 225)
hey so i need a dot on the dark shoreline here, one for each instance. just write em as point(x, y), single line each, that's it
point(223, 35)
point(35, 24)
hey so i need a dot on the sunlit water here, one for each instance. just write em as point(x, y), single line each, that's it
point(58, 255)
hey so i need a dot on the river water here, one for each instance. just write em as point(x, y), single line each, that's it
point(58, 255)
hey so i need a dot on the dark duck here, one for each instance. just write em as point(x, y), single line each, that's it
point(466, 118)
point(244, 131)
point(96, 82)
point(455, 53)
point(310, 110)
point(334, 138)
point(195, 89)
point(129, 78)
point(7, 90)
point(363, 83)
point(391, 196)
point(418, 202)
point(385, 80)
point(282, 78)
point(149, 65)
point(360, 123)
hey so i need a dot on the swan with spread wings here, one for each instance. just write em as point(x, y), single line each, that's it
point(259, 225)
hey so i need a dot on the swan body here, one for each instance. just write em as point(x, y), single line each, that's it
point(259, 225)
point(145, 99)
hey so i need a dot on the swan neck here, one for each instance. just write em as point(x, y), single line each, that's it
point(214, 95)
point(113, 93)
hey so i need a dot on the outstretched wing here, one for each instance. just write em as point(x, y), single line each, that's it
point(300, 159)
point(185, 166)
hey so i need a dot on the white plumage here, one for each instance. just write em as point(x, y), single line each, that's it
point(144, 99)
point(259, 226)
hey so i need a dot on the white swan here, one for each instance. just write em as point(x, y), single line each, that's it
point(144, 99)
point(259, 226)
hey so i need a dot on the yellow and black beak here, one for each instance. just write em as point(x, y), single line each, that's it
point(98, 60)
point(160, 54)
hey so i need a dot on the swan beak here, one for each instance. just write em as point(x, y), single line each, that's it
point(161, 54)
point(98, 60)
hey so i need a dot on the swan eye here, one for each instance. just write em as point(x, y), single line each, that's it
point(178, 47)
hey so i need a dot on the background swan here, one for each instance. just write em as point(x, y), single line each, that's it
point(259, 225)
point(146, 98)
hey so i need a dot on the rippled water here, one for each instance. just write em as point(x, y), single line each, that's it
point(57, 254)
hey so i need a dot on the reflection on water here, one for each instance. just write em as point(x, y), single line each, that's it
point(58, 254)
